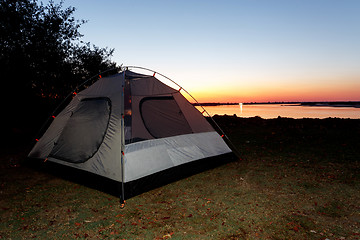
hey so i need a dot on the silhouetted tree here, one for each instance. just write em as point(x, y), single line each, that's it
point(42, 55)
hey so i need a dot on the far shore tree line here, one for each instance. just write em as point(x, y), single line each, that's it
point(42, 59)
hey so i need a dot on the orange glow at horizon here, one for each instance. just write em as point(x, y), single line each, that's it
point(237, 86)
point(296, 93)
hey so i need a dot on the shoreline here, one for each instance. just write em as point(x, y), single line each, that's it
point(353, 104)
point(331, 104)
point(234, 116)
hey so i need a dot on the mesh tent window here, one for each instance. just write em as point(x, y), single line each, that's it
point(85, 129)
point(163, 117)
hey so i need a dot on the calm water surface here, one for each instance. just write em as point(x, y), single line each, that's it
point(274, 110)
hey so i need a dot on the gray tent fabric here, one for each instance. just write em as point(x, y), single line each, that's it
point(160, 127)
point(91, 113)
point(106, 160)
point(147, 157)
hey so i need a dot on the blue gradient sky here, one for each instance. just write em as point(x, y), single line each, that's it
point(242, 51)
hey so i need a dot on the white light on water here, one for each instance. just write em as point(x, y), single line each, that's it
point(240, 105)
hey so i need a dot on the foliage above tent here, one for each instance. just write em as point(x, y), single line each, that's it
point(42, 58)
point(40, 45)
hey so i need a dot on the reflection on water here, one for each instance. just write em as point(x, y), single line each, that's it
point(274, 110)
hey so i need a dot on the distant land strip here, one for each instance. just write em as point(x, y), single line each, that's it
point(308, 104)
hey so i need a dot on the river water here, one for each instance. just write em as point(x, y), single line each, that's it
point(268, 111)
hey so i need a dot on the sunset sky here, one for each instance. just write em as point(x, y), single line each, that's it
point(236, 51)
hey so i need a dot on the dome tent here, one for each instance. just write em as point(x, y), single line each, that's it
point(127, 127)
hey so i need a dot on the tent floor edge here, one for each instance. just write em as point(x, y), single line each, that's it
point(132, 188)
point(167, 176)
point(78, 176)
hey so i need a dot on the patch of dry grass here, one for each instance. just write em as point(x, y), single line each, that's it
point(283, 188)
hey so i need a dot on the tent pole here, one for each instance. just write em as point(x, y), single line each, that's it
point(122, 144)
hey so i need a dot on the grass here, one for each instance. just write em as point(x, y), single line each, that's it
point(296, 179)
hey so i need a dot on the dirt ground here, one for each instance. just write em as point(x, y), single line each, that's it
point(295, 179)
